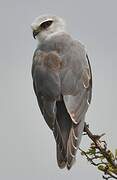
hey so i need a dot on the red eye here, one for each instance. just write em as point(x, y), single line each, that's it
point(46, 24)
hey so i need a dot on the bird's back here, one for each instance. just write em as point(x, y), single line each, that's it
point(73, 59)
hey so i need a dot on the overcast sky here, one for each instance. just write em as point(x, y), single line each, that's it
point(27, 147)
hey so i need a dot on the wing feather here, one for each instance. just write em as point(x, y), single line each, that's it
point(77, 106)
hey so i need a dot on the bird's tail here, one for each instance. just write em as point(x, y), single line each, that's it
point(67, 135)
point(73, 142)
point(61, 133)
point(60, 147)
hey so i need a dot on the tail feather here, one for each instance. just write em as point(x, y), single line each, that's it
point(73, 142)
point(61, 160)
point(67, 135)
point(60, 146)
point(61, 133)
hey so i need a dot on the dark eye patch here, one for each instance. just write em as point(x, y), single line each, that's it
point(46, 24)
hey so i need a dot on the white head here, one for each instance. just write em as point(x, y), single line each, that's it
point(45, 26)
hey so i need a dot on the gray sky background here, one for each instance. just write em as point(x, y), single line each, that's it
point(27, 147)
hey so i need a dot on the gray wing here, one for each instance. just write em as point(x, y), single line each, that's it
point(77, 104)
point(46, 83)
point(80, 97)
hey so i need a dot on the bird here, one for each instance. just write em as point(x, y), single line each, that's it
point(62, 82)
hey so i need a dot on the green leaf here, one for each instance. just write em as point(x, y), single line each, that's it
point(101, 168)
point(102, 157)
point(113, 170)
point(92, 151)
point(115, 153)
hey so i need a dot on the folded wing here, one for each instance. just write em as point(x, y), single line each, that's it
point(77, 106)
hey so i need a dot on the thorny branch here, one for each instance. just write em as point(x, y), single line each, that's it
point(99, 155)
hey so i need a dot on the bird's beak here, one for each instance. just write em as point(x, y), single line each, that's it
point(35, 32)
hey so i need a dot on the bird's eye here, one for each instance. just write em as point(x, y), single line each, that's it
point(46, 24)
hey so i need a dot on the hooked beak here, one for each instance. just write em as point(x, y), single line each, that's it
point(35, 32)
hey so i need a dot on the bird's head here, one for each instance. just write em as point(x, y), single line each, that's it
point(45, 26)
